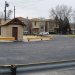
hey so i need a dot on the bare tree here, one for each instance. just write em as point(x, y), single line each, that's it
point(9, 13)
point(42, 18)
point(61, 11)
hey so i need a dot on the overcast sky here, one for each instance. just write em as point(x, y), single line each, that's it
point(34, 8)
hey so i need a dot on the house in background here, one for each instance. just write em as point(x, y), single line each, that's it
point(2, 20)
point(72, 26)
point(26, 22)
point(51, 26)
point(37, 24)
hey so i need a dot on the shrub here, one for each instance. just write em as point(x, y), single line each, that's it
point(52, 33)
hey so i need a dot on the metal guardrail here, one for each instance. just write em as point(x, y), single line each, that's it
point(5, 70)
point(29, 38)
point(24, 69)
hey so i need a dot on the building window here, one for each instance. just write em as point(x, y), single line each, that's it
point(25, 27)
point(51, 23)
point(41, 27)
point(51, 28)
point(42, 23)
point(35, 23)
point(25, 21)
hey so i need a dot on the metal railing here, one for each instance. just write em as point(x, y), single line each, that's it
point(25, 69)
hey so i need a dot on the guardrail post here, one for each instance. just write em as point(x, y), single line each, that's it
point(13, 70)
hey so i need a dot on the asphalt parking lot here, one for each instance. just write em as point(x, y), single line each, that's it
point(57, 49)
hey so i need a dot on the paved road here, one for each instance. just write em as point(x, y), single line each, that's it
point(57, 49)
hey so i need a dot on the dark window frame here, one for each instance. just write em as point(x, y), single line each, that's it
point(35, 23)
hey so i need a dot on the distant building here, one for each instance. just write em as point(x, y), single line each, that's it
point(51, 26)
point(37, 24)
point(26, 22)
point(2, 20)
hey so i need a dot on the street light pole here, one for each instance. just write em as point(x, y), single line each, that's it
point(5, 10)
point(14, 11)
point(6, 5)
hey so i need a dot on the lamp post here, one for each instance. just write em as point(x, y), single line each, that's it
point(6, 5)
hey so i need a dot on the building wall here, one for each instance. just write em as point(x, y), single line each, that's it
point(2, 21)
point(42, 25)
point(54, 27)
point(20, 31)
point(3, 31)
point(72, 26)
point(42, 29)
point(37, 24)
point(47, 26)
point(8, 30)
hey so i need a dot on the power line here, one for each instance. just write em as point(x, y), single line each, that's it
point(34, 9)
point(24, 2)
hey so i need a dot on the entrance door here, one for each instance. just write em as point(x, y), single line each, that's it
point(36, 30)
point(14, 32)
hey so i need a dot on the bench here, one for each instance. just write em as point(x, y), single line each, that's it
point(29, 38)
point(7, 38)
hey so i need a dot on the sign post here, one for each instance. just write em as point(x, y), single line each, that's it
point(31, 30)
point(68, 30)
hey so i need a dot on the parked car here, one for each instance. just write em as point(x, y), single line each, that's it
point(25, 31)
point(44, 33)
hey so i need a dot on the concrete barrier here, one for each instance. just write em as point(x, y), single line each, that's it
point(29, 38)
point(7, 38)
point(71, 35)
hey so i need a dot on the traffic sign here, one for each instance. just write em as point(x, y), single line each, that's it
point(67, 29)
point(31, 28)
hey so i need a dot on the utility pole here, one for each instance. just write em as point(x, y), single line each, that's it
point(14, 11)
point(6, 5)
